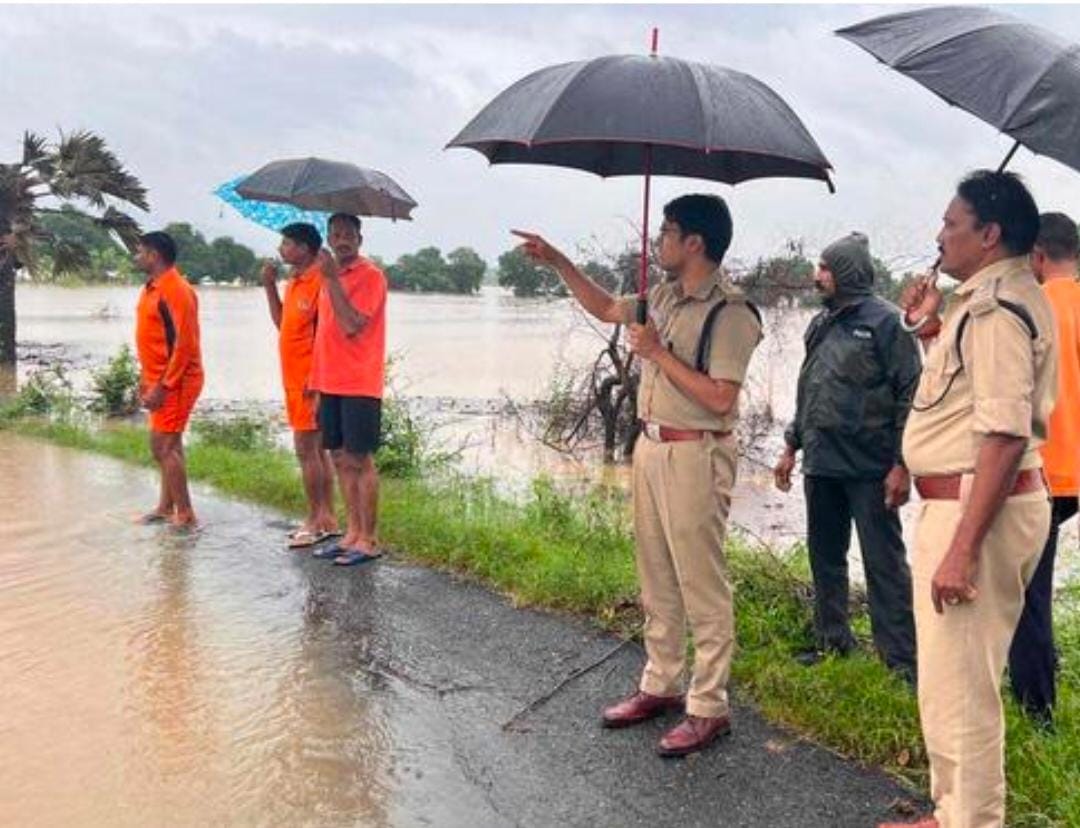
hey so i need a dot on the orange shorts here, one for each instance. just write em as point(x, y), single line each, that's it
point(300, 410)
point(173, 415)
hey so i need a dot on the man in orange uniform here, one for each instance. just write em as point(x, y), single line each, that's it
point(295, 318)
point(1032, 657)
point(347, 371)
point(171, 375)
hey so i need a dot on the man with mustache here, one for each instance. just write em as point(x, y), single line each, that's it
point(854, 394)
point(972, 444)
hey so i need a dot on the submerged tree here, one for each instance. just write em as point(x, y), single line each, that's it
point(79, 171)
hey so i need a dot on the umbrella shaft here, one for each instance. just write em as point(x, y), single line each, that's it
point(643, 277)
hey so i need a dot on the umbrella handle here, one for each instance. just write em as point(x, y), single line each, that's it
point(641, 311)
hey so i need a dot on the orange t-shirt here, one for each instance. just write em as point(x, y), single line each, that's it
point(1061, 452)
point(167, 331)
point(296, 337)
point(352, 366)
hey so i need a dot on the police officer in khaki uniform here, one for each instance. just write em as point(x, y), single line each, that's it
point(695, 349)
point(971, 443)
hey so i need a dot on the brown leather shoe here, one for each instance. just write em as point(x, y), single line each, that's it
point(639, 708)
point(925, 822)
point(692, 734)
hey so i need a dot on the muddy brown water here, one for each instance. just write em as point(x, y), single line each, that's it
point(460, 356)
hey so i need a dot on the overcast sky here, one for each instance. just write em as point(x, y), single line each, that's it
point(191, 96)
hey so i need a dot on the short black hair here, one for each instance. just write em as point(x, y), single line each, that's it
point(303, 233)
point(1002, 198)
point(349, 217)
point(706, 216)
point(1057, 237)
point(160, 242)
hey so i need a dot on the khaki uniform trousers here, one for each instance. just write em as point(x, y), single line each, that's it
point(962, 655)
point(682, 496)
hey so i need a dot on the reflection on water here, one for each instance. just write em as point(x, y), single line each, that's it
point(153, 679)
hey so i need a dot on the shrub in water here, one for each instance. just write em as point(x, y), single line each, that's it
point(46, 392)
point(116, 386)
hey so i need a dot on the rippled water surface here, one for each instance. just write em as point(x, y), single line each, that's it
point(154, 679)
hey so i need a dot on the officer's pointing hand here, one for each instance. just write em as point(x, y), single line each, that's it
point(537, 248)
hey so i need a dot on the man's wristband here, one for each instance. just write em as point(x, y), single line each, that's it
point(913, 328)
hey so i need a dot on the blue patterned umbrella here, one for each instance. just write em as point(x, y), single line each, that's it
point(271, 214)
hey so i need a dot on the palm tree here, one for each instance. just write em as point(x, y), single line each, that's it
point(79, 171)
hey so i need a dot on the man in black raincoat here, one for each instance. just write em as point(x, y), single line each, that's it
point(854, 393)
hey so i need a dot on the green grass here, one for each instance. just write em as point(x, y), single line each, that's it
point(576, 554)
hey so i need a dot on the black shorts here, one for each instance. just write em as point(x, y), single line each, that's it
point(354, 423)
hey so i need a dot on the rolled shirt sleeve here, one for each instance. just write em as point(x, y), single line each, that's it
point(1002, 365)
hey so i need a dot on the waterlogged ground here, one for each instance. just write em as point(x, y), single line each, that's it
point(458, 359)
point(155, 679)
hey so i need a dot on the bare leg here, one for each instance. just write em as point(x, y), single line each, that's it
point(349, 479)
point(175, 475)
point(158, 450)
point(306, 444)
point(369, 499)
point(327, 519)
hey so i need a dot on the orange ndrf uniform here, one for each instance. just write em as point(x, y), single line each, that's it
point(167, 342)
point(296, 344)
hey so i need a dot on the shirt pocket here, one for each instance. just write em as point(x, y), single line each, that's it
point(940, 372)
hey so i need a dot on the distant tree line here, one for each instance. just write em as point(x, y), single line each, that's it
point(221, 260)
point(428, 271)
point(785, 277)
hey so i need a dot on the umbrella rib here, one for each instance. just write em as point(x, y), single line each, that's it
point(993, 24)
point(578, 71)
point(1071, 50)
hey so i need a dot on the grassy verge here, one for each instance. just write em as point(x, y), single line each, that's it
point(575, 554)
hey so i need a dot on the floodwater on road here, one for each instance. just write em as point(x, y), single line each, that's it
point(149, 678)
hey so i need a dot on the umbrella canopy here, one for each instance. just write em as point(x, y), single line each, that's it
point(328, 186)
point(637, 115)
point(1015, 76)
point(646, 115)
point(273, 215)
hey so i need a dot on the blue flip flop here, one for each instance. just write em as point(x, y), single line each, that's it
point(331, 550)
point(352, 557)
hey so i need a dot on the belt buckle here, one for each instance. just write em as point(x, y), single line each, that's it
point(652, 431)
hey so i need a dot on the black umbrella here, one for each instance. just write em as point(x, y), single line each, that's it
point(646, 115)
point(1015, 76)
point(328, 186)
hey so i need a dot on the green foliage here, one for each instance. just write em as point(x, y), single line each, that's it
point(527, 278)
point(116, 386)
point(404, 449)
point(75, 172)
point(221, 260)
point(47, 392)
point(790, 275)
point(244, 433)
point(466, 270)
point(426, 271)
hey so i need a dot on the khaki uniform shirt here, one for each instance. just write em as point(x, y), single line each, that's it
point(1007, 381)
point(678, 318)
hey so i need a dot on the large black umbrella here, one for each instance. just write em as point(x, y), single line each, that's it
point(1015, 76)
point(646, 115)
point(328, 186)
